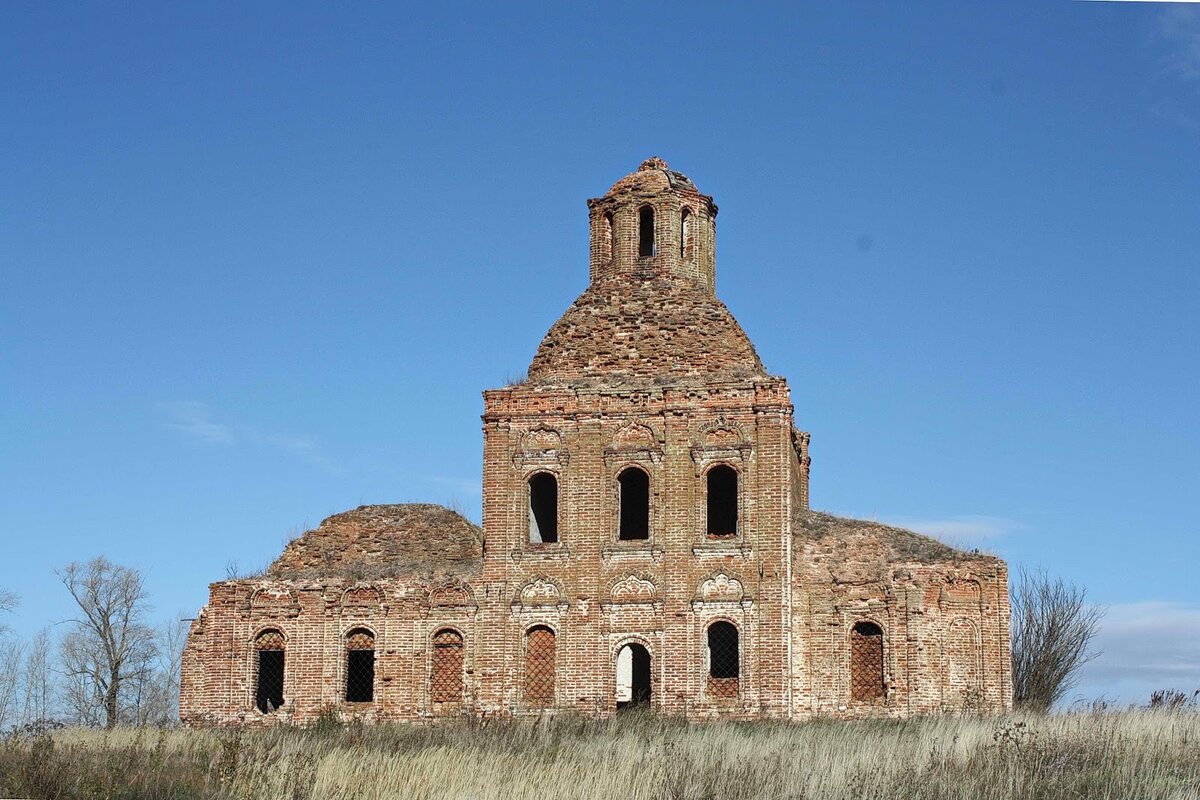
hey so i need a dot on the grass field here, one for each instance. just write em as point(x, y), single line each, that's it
point(1137, 754)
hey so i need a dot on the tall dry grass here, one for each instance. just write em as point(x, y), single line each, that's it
point(1142, 754)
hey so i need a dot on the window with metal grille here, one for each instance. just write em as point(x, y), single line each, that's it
point(543, 508)
point(866, 663)
point(724, 659)
point(360, 666)
point(646, 231)
point(634, 488)
point(446, 670)
point(540, 656)
point(268, 679)
point(722, 501)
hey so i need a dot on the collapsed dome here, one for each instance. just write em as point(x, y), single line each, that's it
point(659, 331)
point(384, 541)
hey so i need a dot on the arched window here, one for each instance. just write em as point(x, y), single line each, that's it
point(268, 667)
point(360, 666)
point(685, 234)
point(543, 508)
point(540, 666)
point(446, 671)
point(634, 488)
point(722, 501)
point(866, 663)
point(646, 231)
point(724, 659)
point(633, 676)
point(610, 236)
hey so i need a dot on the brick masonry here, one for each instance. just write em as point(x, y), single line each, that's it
point(646, 370)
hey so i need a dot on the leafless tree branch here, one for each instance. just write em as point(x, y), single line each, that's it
point(1053, 627)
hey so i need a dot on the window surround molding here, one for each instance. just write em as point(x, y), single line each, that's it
point(875, 612)
point(557, 548)
point(741, 624)
point(466, 643)
point(613, 512)
point(540, 595)
point(343, 673)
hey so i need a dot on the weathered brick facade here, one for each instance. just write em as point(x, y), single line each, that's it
point(646, 538)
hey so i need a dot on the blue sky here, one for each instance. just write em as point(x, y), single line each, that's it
point(257, 263)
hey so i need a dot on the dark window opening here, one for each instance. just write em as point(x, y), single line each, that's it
point(543, 508)
point(268, 694)
point(646, 231)
point(723, 660)
point(633, 676)
point(634, 487)
point(446, 680)
point(866, 663)
point(360, 667)
point(540, 658)
point(722, 501)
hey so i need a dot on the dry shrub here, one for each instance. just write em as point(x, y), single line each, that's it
point(1145, 754)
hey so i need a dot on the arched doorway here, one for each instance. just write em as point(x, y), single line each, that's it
point(633, 676)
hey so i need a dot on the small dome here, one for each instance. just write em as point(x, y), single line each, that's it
point(383, 541)
point(658, 331)
point(652, 177)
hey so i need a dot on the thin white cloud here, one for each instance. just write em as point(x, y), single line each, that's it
point(194, 419)
point(1179, 33)
point(1144, 646)
point(963, 530)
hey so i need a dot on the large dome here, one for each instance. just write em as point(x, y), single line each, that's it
point(656, 331)
point(384, 541)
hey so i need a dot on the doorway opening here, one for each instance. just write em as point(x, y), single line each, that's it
point(633, 677)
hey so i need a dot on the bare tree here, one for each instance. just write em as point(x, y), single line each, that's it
point(38, 681)
point(155, 699)
point(8, 601)
point(1053, 627)
point(110, 649)
point(10, 662)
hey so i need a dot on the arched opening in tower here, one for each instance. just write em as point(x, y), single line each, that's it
point(646, 231)
point(634, 488)
point(543, 508)
point(722, 501)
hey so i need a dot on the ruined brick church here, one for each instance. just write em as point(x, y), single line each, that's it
point(647, 541)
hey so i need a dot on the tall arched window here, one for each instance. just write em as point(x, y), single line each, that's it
point(646, 231)
point(866, 663)
point(268, 674)
point(540, 666)
point(610, 236)
point(722, 501)
point(685, 234)
point(634, 488)
point(446, 671)
point(543, 508)
point(360, 666)
point(724, 659)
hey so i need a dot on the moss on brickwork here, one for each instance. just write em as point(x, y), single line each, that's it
point(384, 541)
point(856, 539)
point(657, 331)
